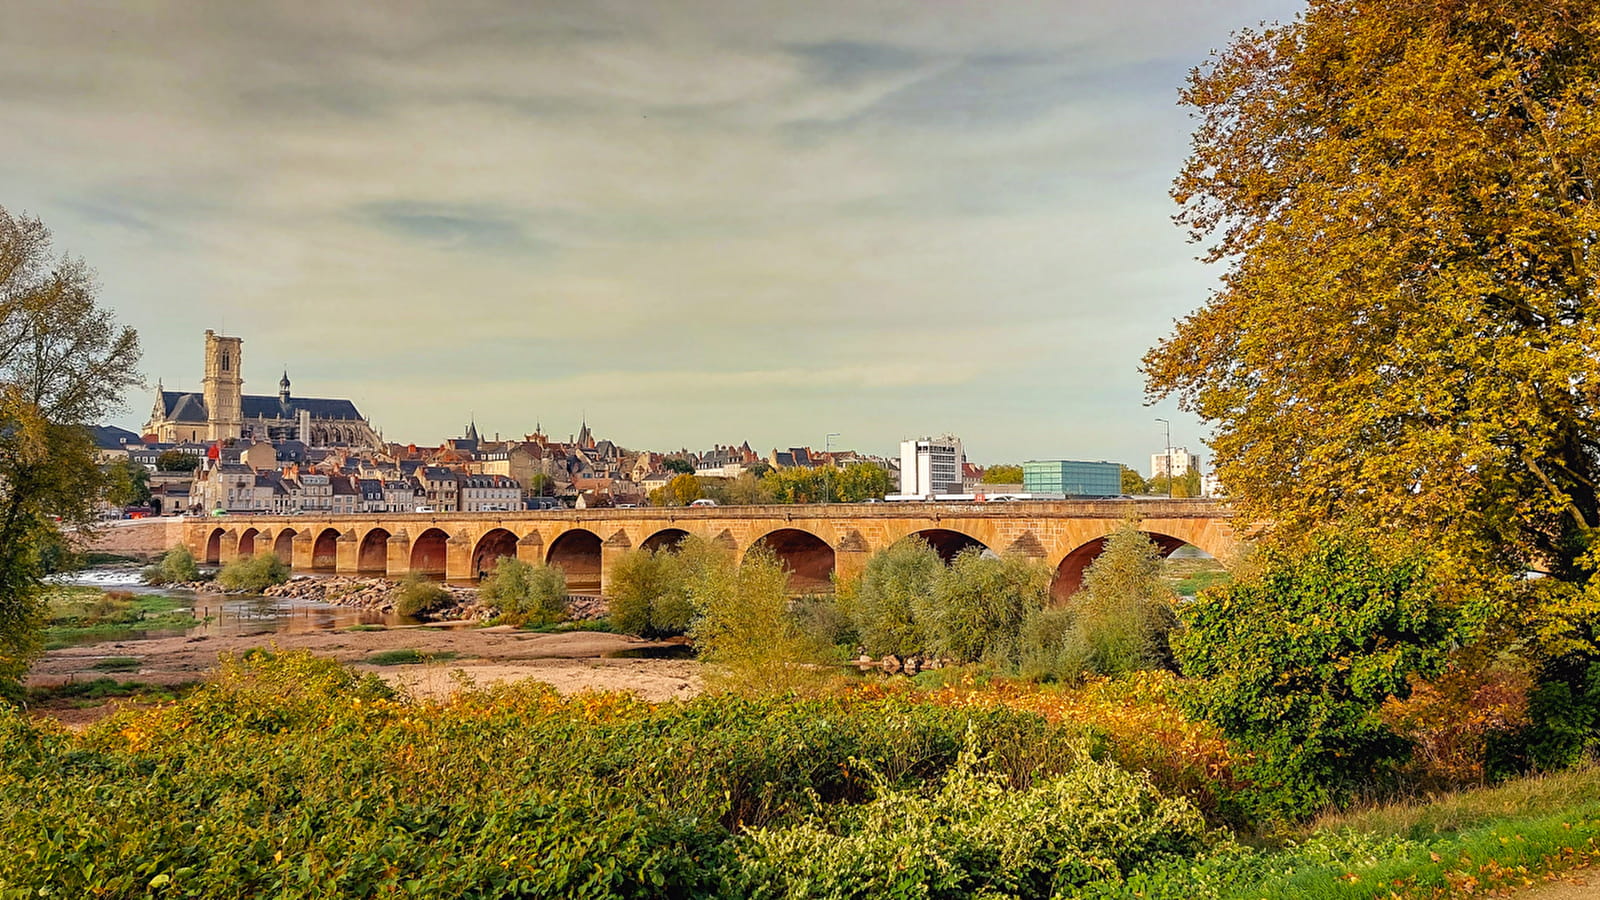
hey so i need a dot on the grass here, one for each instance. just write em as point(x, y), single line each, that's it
point(1454, 812)
point(407, 656)
point(93, 693)
point(117, 664)
point(1189, 576)
point(365, 628)
point(83, 615)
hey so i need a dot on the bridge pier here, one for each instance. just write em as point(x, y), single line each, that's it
point(228, 549)
point(458, 558)
point(303, 550)
point(399, 550)
point(347, 554)
point(530, 549)
point(611, 550)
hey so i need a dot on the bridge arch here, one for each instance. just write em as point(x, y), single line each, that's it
point(669, 539)
point(247, 542)
point(946, 542)
point(283, 545)
point(374, 553)
point(214, 547)
point(809, 559)
point(577, 552)
point(497, 542)
point(429, 552)
point(325, 550)
point(1069, 572)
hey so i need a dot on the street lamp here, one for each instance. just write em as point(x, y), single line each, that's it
point(827, 450)
point(1169, 455)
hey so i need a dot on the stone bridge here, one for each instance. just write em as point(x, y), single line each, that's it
point(816, 542)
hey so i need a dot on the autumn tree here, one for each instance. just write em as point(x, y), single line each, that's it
point(127, 484)
point(1002, 475)
point(1407, 333)
point(64, 364)
point(682, 490)
point(860, 481)
point(1132, 481)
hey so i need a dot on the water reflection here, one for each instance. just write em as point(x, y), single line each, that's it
point(234, 614)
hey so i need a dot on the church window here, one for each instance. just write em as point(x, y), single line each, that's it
point(224, 360)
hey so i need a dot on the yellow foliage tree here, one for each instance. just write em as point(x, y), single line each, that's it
point(1408, 331)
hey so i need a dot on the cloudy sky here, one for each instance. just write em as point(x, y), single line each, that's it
point(693, 221)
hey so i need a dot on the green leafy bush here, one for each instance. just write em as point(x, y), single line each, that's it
point(975, 837)
point(525, 593)
point(977, 607)
point(1123, 616)
point(1297, 661)
point(649, 595)
point(253, 573)
point(291, 776)
point(419, 596)
point(883, 598)
point(177, 566)
point(744, 623)
point(1048, 651)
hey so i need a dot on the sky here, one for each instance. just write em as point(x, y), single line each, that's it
point(691, 222)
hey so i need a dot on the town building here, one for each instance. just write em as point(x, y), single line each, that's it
point(488, 493)
point(930, 466)
point(221, 411)
point(1175, 461)
point(1072, 478)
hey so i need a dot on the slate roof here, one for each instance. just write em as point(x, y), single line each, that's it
point(110, 437)
point(179, 406)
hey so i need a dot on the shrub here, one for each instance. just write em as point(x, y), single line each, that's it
point(177, 566)
point(975, 838)
point(254, 573)
point(419, 596)
point(526, 594)
point(1047, 649)
point(648, 594)
point(1452, 718)
point(883, 597)
point(1297, 659)
point(977, 606)
point(1124, 614)
point(744, 623)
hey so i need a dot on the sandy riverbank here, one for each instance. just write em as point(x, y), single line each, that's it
point(571, 662)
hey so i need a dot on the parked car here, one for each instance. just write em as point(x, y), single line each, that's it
point(704, 501)
point(425, 509)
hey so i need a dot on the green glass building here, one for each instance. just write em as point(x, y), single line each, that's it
point(1073, 478)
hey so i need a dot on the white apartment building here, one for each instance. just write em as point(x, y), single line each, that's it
point(489, 493)
point(1176, 461)
point(931, 465)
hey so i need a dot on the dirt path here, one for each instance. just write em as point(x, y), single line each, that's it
point(1582, 884)
point(571, 662)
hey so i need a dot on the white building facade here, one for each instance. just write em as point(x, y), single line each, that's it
point(931, 465)
point(1176, 462)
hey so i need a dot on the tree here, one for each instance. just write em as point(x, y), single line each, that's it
point(177, 461)
point(1297, 661)
point(677, 464)
point(860, 481)
point(1123, 615)
point(892, 581)
point(649, 594)
point(976, 610)
point(64, 364)
point(127, 484)
point(1408, 331)
point(682, 490)
point(1132, 481)
point(749, 489)
point(1002, 475)
point(526, 593)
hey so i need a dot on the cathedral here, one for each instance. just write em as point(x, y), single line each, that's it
point(221, 411)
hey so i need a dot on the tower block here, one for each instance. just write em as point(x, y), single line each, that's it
point(223, 385)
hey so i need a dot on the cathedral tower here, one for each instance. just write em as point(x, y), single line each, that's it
point(223, 385)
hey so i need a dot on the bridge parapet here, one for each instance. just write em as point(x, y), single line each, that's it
point(821, 538)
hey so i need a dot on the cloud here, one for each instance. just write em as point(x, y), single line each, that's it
point(719, 218)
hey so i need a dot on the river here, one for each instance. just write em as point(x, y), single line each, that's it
point(224, 615)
